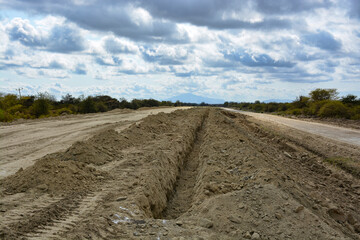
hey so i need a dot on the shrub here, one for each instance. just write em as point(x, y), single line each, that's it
point(316, 106)
point(295, 111)
point(63, 110)
point(334, 109)
point(355, 113)
point(27, 101)
point(355, 117)
point(15, 108)
point(40, 107)
point(87, 105)
point(101, 107)
point(5, 117)
point(9, 100)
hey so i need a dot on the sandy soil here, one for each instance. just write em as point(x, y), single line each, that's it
point(341, 134)
point(201, 173)
point(23, 142)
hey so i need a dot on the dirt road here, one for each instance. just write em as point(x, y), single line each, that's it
point(346, 135)
point(21, 144)
point(202, 173)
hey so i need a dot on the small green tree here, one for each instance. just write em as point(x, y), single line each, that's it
point(300, 102)
point(88, 105)
point(42, 104)
point(40, 107)
point(177, 103)
point(350, 99)
point(320, 94)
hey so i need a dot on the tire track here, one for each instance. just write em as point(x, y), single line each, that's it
point(29, 207)
point(68, 221)
point(84, 207)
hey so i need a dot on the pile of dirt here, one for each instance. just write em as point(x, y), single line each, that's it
point(98, 150)
point(106, 146)
point(200, 173)
point(243, 186)
point(52, 175)
point(69, 170)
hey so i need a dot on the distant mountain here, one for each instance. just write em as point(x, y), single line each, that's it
point(278, 100)
point(191, 98)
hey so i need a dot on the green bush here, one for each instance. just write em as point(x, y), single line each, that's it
point(5, 117)
point(101, 107)
point(88, 105)
point(355, 117)
point(40, 107)
point(63, 111)
point(316, 106)
point(334, 109)
point(295, 111)
point(15, 108)
point(8, 101)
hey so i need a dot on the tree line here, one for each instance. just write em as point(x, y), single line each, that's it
point(45, 105)
point(324, 103)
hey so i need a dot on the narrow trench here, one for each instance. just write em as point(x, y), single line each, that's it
point(182, 197)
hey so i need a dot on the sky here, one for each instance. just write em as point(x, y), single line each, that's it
point(236, 50)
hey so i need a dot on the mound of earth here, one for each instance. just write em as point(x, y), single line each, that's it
point(54, 176)
point(195, 174)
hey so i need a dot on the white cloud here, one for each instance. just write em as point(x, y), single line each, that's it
point(225, 49)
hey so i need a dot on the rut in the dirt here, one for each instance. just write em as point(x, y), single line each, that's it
point(182, 197)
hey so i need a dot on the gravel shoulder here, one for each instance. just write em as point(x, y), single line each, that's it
point(341, 134)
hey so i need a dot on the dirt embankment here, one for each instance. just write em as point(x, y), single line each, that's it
point(200, 174)
point(22, 142)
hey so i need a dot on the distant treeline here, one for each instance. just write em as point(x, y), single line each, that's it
point(323, 103)
point(45, 105)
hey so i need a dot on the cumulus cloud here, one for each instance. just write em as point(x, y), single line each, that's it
point(6, 66)
point(155, 20)
point(212, 46)
point(9, 54)
point(298, 75)
point(323, 40)
point(113, 61)
point(80, 69)
point(290, 7)
point(215, 14)
point(114, 45)
point(55, 65)
point(21, 30)
point(256, 60)
point(165, 55)
point(123, 18)
point(328, 66)
point(62, 39)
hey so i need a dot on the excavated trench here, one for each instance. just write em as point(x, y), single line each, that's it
point(212, 171)
point(180, 200)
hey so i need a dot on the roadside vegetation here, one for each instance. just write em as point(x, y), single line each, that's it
point(14, 107)
point(323, 103)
